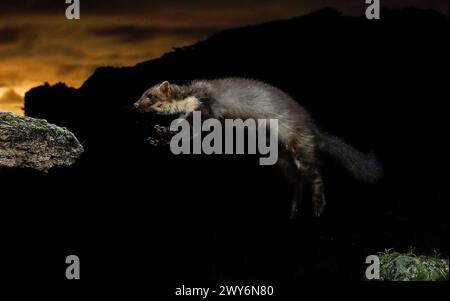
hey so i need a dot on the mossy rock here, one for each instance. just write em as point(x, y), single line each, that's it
point(27, 142)
point(395, 266)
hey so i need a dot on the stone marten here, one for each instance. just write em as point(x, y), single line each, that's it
point(301, 140)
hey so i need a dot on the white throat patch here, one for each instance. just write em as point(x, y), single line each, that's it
point(187, 105)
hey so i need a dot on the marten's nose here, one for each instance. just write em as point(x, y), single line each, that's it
point(136, 105)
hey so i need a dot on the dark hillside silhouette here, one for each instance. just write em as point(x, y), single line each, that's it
point(380, 85)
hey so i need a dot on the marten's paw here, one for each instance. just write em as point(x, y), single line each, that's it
point(294, 210)
point(153, 141)
point(319, 204)
point(161, 136)
point(161, 129)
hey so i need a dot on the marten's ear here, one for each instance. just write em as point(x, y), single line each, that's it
point(165, 88)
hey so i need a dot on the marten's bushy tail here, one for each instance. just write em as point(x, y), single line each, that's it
point(363, 167)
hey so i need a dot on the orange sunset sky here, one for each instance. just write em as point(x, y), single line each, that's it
point(38, 44)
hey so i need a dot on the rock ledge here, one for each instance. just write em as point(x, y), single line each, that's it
point(27, 142)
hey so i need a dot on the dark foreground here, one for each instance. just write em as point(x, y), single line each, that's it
point(135, 213)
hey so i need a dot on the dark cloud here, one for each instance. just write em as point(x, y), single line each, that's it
point(108, 6)
point(87, 6)
point(16, 41)
point(146, 6)
point(127, 33)
point(12, 34)
point(135, 33)
point(31, 6)
point(64, 69)
point(61, 49)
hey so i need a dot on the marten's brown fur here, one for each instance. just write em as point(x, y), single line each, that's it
point(298, 134)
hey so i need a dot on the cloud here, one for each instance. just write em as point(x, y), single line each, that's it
point(11, 101)
point(10, 35)
point(74, 70)
point(65, 69)
point(31, 6)
point(154, 6)
point(10, 96)
point(107, 6)
point(16, 39)
point(127, 33)
point(10, 78)
point(135, 33)
point(37, 43)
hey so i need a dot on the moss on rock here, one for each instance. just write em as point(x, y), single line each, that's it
point(395, 266)
point(27, 142)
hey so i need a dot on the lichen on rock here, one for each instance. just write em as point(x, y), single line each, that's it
point(27, 142)
point(395, 266)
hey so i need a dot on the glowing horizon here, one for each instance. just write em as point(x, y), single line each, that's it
point(38, 45)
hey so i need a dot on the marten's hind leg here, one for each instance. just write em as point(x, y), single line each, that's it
point(302, 154)
point(298, 197)
point(318, 195)
point(286, 162)
point(305, 160)
point(313, 176)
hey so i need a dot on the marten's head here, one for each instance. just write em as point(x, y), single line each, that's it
point(167, 99)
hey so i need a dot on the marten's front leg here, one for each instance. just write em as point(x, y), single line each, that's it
point(161, 136)
point(161, 130)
